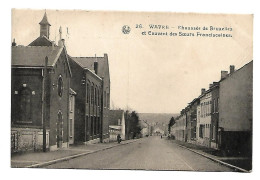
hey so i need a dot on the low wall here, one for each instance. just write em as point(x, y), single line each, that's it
point(27, 139)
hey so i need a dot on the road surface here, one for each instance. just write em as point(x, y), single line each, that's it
point(152, 153)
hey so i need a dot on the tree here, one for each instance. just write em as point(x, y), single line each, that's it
point(133, 126)
point(171, 123)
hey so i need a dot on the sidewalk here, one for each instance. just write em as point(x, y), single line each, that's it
point(217, 155)
point(39, 159)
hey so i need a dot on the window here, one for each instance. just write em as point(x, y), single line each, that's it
point(195, 132)
point(201, 131)
point(105, 99)
point(71, 103)
point(86, 125)
point(60, 86)
point(214, 105)
point(25, 105)
point(217, 108)
point(91, 125)
point(213, 132)
point(92, 95)
point(98, 126)
point(95, 125)
point(95, 96)
point(88, 93)
point(70, 132)
point(98, 99)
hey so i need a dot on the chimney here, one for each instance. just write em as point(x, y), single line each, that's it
point(203, 90)
point(224, 74)
point(96, 65)
point(53, 44)
point(61, 43)
point(14, 43)
point(232, 69)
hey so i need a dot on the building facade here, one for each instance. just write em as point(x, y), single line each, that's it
point(92, 101)
point(29, 105)
point(204, 124)
point(223, 114)
point(116, 124)
point(236, 110)
point(214, 115)
point(178, 130)
point(72, 116)
point(192, 121)
point(74, 111)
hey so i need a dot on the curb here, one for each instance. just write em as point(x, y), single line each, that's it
point(216, 160)
point(39, 165)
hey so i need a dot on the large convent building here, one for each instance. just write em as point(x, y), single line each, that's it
point(69, 96)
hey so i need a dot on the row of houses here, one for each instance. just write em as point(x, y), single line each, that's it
point(221, 116)
point(70, 96)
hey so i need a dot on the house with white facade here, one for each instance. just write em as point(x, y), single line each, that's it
point(116, 124)
point(204, 123)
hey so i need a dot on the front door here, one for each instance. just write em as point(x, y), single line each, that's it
point(59, 130)
point(71, 131)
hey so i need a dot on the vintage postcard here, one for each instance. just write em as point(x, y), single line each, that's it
point(131, 90)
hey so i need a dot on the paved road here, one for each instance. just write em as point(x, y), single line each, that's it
point(151, 153)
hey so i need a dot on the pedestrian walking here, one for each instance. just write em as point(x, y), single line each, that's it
point(119, 138)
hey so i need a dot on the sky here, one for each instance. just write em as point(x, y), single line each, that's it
point(155, 74)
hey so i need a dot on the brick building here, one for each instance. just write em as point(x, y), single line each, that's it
point(92, 84)
point(27, 86)
point(77, 110)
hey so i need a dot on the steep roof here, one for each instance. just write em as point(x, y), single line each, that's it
point(44, 20)
point(41, 41)
point(34, 56)
point(114, 115)
point(88, 62)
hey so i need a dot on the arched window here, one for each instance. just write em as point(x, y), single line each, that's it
point(105, 99)
point(98, 99)
point(60, 86)
point(88, 92)
point(92, 94)
point(95, 97)
point(25, 105)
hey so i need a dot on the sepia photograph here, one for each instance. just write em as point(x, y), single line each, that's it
point(122, 90)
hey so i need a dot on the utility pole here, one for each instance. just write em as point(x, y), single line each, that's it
point(44, 103)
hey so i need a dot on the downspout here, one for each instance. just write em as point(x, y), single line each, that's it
point(102, 110)
point(68, 115)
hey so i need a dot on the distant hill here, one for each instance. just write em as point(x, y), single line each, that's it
point(153, 118)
